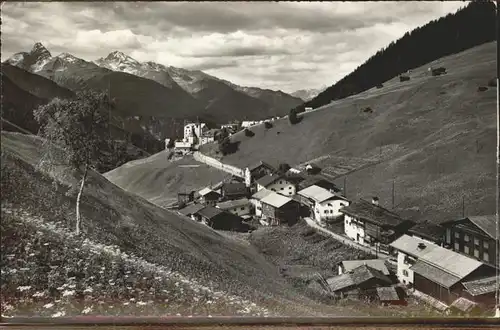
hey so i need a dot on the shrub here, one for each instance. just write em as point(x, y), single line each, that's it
point(438, 71)
point(367, 110)
point(482, 88)
point(171, 144)
point(380, 86)
point(249, 133)
point(283, 168)
point(293, 118)
point(404, 78)
point(268, 125)
point(492, 82)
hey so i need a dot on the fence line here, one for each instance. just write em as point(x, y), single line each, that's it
point(233, 170)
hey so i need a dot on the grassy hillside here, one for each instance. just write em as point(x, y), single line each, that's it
point(113, 217)
point(434, 135)
point(470, 26)
point(158, 179)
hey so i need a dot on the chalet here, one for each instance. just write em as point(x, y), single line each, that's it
point(234, 190)
point(427, 231)
point(363, 279)
point(276, 183)
point(260, 170)
point(324, 205)
point(278, 209)
point(219, 219)
point(481, 291)
point(209, 197)
point(239, 207)
point(370, 224)
point(246, 124)
point(348, 265)
point(434, 270)
point(191, 211)
point(256, 200)
point(473, 236)
point(185, 197)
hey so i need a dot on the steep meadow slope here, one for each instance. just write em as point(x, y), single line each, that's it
point(434, 136)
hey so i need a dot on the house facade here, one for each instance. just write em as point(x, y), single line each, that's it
point(209, 197)
point(234, 190)
point(276, 183)
point(434, 270)
point(427, 231)
point(324, 204)
point(473, 236)
point(278, 209)
point(260, 170)
point(370, 224)
point(256, 201)
point(219, 219)
point(239, 207)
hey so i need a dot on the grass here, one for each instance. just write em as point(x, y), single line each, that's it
point(158, 179)
point(435, 136)
point(113, 217)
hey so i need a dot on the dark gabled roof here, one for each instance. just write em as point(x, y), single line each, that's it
point(269, 179)
point(259, 164)
point(486, 223)
point(191, 209)
point(209, 212)
point(310, 180)
point(435, 274)
point(427, 230)
point(481, 286)
point(372, 213)
point(356, 277)
point(234, 188)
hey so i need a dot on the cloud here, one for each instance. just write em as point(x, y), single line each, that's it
point(279, 45)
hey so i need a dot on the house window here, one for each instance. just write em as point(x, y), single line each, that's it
point(466, 238)
point(243, 208)
point(282, 188)
point(448, 236)
point(476, 241)
point(405, 272)
point(476, 252)
point(457, 235)
point(457, 246)
point(486, 246)
point(486, 256)
point(466, 249)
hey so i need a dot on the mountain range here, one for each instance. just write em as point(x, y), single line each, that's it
point(156, 95)
point(308, 94)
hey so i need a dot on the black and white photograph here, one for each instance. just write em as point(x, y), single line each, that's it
point(249, 160)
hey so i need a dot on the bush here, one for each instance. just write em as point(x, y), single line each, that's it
point(293, 118)
point(227, 147)
point(249, 133)
point(283, 168)
point(367, 110)
point(380, 86)
point(482, 89)
point(171, 143)
point(404, 78)
point(492, 82)
point(268, 125)
point(438, 71)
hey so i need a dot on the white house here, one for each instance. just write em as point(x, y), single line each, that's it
point(246, 124)
point(276, 183)
point(370, 224)
point(183, 145)
point(416, 255)
point(325, 204)
point(256, 200)
point(239, 207)
point(308, 108)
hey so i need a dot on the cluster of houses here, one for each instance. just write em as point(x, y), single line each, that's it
point(197, 134)
point(451, 265)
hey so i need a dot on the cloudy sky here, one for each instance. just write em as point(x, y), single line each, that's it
point(278, 45)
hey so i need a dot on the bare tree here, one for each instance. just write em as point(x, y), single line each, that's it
point(76, 133)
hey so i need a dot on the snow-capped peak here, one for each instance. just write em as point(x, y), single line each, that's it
point(119, 57)
point(69, 58)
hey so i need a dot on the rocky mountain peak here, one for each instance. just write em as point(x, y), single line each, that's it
point(40, 51)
